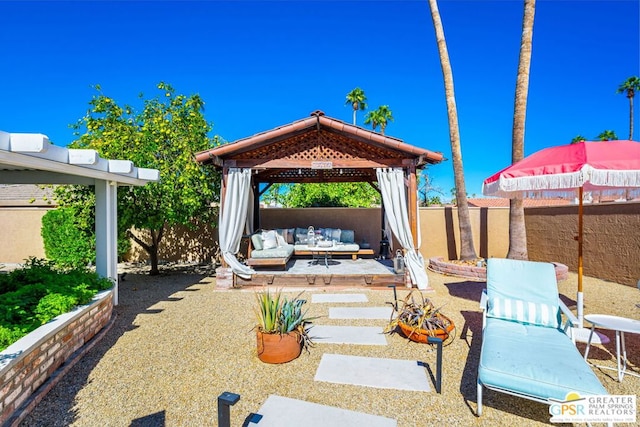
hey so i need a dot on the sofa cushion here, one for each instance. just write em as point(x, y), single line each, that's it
point(287, 234)
point(535, 361)
point(256, 240)
point(269, 240)
point(336, 234)
point(347, 236)
point(300, 235)
point(347, 247)
point(281, 252)
point(523, 311)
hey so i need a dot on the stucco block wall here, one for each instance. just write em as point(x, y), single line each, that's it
point(611, 242)
point(440, 231)
point(21, 237)
point(611, 239)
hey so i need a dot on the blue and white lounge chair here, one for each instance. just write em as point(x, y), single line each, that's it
point(526, 351)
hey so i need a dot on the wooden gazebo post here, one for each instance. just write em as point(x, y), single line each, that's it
point(412, 202)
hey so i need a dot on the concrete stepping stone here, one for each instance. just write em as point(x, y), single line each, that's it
point(278, 411)
point(373, 372)
point(363, 335)
point(334, 298)
point(360, 312)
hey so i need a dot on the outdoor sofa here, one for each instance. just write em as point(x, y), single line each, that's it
point(264, 251)
point(526, 350)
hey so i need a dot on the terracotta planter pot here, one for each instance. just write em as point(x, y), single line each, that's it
point(421, 335)
point(276, 348)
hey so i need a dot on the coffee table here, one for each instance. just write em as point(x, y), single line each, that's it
point(318, 251)
point(620, 325)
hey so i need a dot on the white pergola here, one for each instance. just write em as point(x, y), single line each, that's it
point(29, 158)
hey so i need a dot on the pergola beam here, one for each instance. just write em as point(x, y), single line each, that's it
point(27, 158)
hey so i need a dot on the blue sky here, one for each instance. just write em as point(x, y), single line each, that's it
point(259, 65)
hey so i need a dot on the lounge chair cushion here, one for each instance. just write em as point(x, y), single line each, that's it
point(524, 311)
point(533, 360)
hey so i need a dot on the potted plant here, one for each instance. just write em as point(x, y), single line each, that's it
point(418, 319)
point(283, 327)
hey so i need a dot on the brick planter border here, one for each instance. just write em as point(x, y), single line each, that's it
point(439, 265)
point(29, 362)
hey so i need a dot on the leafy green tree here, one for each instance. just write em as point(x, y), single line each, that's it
point(630, 87)
point(165, 135)
point(379, 117)
point(335, 194)
point(467, 249)
point(275, 194)
point(607, 135)
point(578, 138)
point(358, 101)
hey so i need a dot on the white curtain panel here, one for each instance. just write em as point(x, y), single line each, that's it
point(248, 228)
point(391, 183)
point(233, 217)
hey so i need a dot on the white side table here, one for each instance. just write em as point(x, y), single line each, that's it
point(620, 325)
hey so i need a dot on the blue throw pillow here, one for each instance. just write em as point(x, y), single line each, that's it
point(347, 236)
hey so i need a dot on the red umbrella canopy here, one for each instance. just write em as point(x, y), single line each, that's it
point(601, 165)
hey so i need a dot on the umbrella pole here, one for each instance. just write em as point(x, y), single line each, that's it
point(580, 302)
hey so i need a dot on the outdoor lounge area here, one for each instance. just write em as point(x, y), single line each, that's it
point(178, 343)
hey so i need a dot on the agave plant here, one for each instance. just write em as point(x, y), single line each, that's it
point(277, 314)
point(419, 316)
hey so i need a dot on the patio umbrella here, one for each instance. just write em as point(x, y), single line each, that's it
point(569, 171)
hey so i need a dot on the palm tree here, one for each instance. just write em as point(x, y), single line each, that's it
point(385, 115)
point(379, 117)
point(578, 138)
point(607, 135)
point(630, 86)
point(467, 249)
point(372, 118)
point(517, 230)
point(357, 99)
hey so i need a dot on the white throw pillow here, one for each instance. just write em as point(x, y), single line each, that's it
point(280, 240)
point(269, 240)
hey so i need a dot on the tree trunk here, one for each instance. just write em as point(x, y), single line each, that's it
point(151, 249)
point(467, 249)
point(631, 116)
point(355, 110)
point(517, 229)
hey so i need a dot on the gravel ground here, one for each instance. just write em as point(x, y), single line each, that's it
point(178, 343)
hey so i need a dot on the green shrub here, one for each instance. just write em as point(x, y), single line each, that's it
point(66, 241)
point(10, 335)
point(35, 294)
point(53, 305)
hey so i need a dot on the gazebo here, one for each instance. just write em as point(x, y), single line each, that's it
point(29, 158)
point(319, 149)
